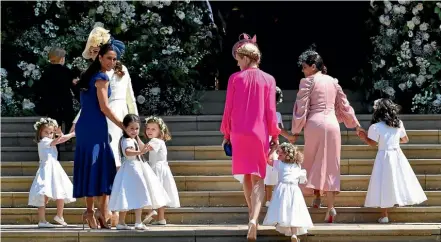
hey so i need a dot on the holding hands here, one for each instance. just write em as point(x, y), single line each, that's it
point(361, 133)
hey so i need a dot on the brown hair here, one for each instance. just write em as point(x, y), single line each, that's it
point(56, 54)
point(119, 69)
point(164, 132)
point(293, 155)
point(37, 137)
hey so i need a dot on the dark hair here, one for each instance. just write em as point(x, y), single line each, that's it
point(387, 111)
point(94, 68)
point(311, 57)
point(129, 118)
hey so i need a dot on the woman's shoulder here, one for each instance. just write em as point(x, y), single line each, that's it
point(100, 76)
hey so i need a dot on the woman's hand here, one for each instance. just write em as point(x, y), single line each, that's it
point(225, 141)
point(293, 138)
point(359, 130)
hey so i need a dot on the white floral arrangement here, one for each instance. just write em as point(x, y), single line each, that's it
point(44, 121)
point(407, 55)
point(289, 149)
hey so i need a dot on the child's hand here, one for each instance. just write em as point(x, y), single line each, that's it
point(75, 81)
point(293, 138)
point(145, 149)
point(58, 131)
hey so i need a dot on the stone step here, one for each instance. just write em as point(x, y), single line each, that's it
point(195, 138)
point(228, 183)
point(223, 167)
point(219, 199)
point(412, 151)
point(228, 233)
point(238, 215)
point(212, 122)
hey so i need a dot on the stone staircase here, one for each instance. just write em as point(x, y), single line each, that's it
point(213, 207)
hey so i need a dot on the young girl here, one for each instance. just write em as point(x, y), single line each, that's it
point(393, 181)
point(51, 181)
point(271, 174)
point(135, 186)
point(158, 133)
point(287, 210)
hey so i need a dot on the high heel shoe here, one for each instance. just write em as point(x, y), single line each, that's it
point(316, 203)
point(102, 220)
point(330, 216)
point(252, 230)
point(89, 218)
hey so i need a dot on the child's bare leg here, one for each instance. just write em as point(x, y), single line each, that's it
point(268, 192)
point(161, 213)
point(294, 234)
point(60, 207)
point(384, 213)
point(122, 218)
point(42, 211)
point(138, 214)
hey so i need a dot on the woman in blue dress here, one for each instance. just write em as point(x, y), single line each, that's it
point(94, 162)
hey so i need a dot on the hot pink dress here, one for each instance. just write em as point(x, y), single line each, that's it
point(320, 106)
point(249, 118)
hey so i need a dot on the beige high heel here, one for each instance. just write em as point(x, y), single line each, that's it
point(330, 216)
point(252, 230)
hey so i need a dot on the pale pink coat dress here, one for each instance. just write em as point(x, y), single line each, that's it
point(249, 118)
point(320, 106)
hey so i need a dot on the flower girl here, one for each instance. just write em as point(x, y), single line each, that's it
point(51, 181)
point(393, 181)
point(135, 186)
point(156, 130)
point(287, 210)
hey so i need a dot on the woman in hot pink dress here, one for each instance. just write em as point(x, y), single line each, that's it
point(249, 119)
point(320, 106)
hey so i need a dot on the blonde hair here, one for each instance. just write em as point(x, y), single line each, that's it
point(293, 155)
point(251, 51)
point(56, 54)
point(165, 133)
point(43, 123)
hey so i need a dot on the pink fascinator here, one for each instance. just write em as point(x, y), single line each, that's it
point(243, 39)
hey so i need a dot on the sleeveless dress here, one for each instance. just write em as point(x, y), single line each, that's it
point(94, 163)
point(51, 180)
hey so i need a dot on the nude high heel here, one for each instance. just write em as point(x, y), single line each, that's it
point(89, 218)
point(252, 230)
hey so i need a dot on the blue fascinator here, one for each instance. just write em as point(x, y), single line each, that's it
point(118, 47)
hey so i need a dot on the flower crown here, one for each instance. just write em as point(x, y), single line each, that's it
point(158, 120)
point(289, 149)
point(279, 95)
point(304, 56)
point(44, 121)
point(377, 104)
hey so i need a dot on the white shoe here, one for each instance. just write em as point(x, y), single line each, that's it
point(45, 225)
point(149, 217)
point(141, 226)
point(60, 221)
point(383, 220)
point(294, 238)
point(267, 203)
point(123, 227)
point(160, 222)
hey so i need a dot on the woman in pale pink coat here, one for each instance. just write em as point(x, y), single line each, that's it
point(249, 119)
point(320, 106)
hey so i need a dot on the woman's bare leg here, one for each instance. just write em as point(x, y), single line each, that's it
point(257, 198)
point(247, 187)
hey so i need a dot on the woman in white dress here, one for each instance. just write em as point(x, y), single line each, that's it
point(51, 181)
point(122, 99)
point(136, 186)
point(393, 181)
point(287, 210)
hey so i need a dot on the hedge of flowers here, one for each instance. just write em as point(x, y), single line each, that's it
point(406, 59)
point(167, 43)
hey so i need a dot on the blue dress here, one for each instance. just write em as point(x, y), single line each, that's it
point(94, 162)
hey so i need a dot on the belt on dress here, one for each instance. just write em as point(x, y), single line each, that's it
point(389, 149)
point(117, 99)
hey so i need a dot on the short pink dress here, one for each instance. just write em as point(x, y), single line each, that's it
point(320, 106)
point(249, 118)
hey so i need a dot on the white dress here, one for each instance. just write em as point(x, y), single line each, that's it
point(271, 174)
point(121, 101)
point(159, 164)
point(393, 180)
point(51, 180)
point(136, 185)
point(288, 208)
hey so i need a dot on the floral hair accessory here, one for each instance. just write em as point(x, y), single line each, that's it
point(44, 121)
point(377, 104)
point(309, 52)
point(157, 120)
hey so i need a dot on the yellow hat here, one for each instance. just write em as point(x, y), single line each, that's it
point(97, 37)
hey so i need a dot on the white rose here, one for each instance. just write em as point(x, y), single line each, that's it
point(424, 26)
point(419, 7)
point(180, 14)
point(170, 30)
point(390, 91)
point(403, 10)
point(410, 25)
point(438, 4)
point(418, 42)
point(410, 33)
point(100, 10)
point(402, 86)
point(403, 2)
point(397, 9)
point(123, 26)
point(416, 20)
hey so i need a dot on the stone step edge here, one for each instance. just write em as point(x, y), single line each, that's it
point(431, 132)
point(20, 231)
point(219, 148)
point(193, 118)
